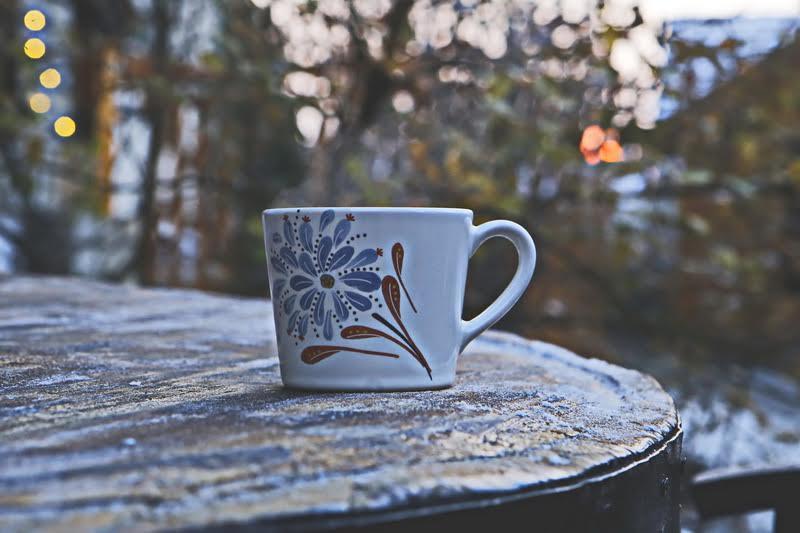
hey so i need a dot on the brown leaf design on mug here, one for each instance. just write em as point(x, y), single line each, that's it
point(314, 354)
point(398, 253)
point(391, 295)
point(361, 332)
point(366, 332)
point(397, 258)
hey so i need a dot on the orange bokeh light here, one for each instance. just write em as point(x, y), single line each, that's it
point(593, 136)
point(610, 152)
point(599, 145)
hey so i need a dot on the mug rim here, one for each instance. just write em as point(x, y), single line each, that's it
point(398, 210)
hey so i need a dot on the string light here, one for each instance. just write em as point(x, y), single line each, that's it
point(50, 78)
point(64, 126)
point(34, 20)
point(40, 103)
point(34, 48)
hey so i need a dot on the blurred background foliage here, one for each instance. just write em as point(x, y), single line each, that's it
point(652, 148)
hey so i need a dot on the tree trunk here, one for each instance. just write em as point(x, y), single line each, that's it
point(145, 255)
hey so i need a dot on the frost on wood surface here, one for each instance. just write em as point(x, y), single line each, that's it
point(165, 408)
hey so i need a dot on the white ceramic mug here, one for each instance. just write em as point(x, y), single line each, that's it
point(370, 298)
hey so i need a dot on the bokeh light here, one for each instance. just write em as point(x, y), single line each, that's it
point(309, 123)
point(593, 136)
point(39, 102)
point(50, 78)
point(302, 83)
point(64, 126)
point(599, 145)
point(564, 36)
point(403, 102)
point(34, 20)
point(34, 48)
point(610, 151)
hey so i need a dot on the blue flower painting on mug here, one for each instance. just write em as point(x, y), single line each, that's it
point(322, 278)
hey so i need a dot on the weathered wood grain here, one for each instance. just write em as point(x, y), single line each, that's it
point(124, 407)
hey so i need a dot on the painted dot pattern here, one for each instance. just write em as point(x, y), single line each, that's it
point(330, 280)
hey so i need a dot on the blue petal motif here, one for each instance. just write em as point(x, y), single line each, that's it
point(341, 257)
point(325, 219)
point(287, 232)
point(277, 288)
point(325, 246)
point(339, 307)
point(308, 298)
point(360, 302)
point(341, 232)
point(299, 283)
point(276, 238)
point(289, 303)
point(307, 265)
point(363, 281)
point(302, 327)
point(319, 309)
point(288, 256)
point(364, 258)
point(276, 265)
point(306, 236)
point(292, 320)
point(327, 329)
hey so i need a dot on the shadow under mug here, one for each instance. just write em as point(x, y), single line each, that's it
point(370, 298)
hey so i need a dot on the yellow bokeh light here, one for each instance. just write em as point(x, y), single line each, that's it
point(64, 126)
point(50, 78)
point(40, 103)
point(34, 48)
point(34, 20)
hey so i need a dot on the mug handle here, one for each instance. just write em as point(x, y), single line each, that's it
point(526, 251)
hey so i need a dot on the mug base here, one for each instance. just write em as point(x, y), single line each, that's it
point(363, 387)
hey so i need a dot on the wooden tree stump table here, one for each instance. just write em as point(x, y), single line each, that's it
point(126, 408)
